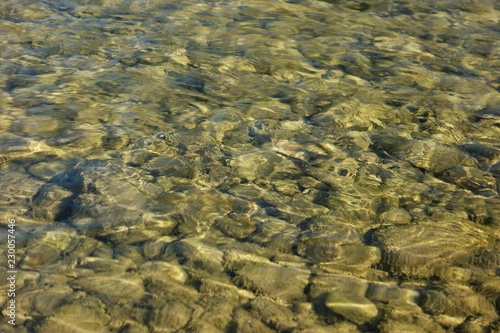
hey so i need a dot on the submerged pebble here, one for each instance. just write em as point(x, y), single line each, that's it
point(279, 282)
point(52, 203)
point(112, 288)
point(82, 315)
point(353, 307)
point(420, 249)
point(275, 316)
point(196, 254)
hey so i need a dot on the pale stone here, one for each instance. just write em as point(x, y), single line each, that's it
point(355, 308)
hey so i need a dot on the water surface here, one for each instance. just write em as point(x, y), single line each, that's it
point(257, 166)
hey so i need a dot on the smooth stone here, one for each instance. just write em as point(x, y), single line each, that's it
point(246, 322)
point(457, 301)
point(118, 190)
point(424, 248)
point(163, 223)
point(278, 282)
point(46, 248)
point(391, 326)
point(36, 125)
point(45, 170)
point(218, 311)
point(391, 292)
point(353, 307)
point(123, 288)
point(202, 326)
point(473, 179)
point(395, 215)
point(215, 288)
point(5, 121)
point(404, 318)
point(102, 265)
point(195, 254)
point(165, 288)
point(170, 318)
point(234, 226)
point(249, 191)
point(323, 284)
point(353, 258)
point(354, 141)
point(490, 288)
point(299, 208)
point(161, 269)
point(11, 144)
point(43, 301)
point(435, 157)
point(254, 166)
point(40, 256)
point(115, 138)
point(133, 327)
point(156, 247)
point(344, 327)
point(474, 325)
point(484, 153)
point(80, 139)
point(235, 259)
point(287, 187)
point(52, 202)
point(274, 315)
point(83, 316)
point(180, 167)
point(271, 228)
point(318, 248)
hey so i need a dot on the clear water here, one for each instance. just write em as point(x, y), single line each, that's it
point(258, 166)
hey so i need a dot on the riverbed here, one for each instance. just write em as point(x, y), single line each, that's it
point(258, 166)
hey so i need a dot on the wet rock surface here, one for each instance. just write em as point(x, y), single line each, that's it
point(352, 307)
point(277, 167)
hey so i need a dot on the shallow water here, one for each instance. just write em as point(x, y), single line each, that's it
point(301, 166)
